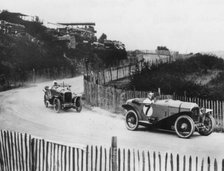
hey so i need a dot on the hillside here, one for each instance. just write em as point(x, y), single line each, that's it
point(34, 48)
point(198, 76)
point(216, 53)
point(29, 45)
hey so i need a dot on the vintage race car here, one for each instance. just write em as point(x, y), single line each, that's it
point(62, 98)
point(183, 117)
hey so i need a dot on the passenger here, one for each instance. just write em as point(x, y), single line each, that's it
point(147, 109)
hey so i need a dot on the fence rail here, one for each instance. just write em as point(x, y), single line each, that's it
point(22, 152)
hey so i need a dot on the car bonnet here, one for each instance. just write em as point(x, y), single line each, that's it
point(177, 104)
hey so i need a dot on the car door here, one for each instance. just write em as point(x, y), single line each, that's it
point(160, 110)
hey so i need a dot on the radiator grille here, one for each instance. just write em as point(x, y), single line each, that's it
point(68, 97)
point(195, 114)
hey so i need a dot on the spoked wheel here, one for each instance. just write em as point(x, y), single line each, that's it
point(131, 120)
point(184, 126)
point(208, 126)
point(45, 101)
point(78, 105)
point(57, 105)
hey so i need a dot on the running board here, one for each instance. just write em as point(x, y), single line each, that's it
point(145, 122)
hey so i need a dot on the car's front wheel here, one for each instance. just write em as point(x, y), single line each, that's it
point(57, 105)
point(78, 104)
point(184, 126)
point(131, 120)
point(208, 126)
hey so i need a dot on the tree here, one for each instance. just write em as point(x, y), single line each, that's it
point(162, 48)
point(102, 38)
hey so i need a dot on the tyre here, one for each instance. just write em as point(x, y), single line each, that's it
point(131, 120)
point(209, 124)
point(78, 105)
point(79, 109)
point(57, 105)
point(184, 126)
point(45, 101)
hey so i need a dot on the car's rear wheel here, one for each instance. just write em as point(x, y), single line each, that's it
point(45, 101)
point(184, 126)
point(131, 120)
point(57, 105)
point(209, 124)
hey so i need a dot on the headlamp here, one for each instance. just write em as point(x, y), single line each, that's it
point(203, 110)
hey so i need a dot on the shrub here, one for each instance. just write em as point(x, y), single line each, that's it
point(172, 77)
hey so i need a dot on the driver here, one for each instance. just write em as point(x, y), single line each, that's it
point(147, 109)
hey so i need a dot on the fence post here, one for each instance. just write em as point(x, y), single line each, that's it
point(87, 158)
point(171, 162)
point(114, 153)
point(215, 165)
point(178, 162)
point(103, 77)
point(111, 77)
point(114, 98)
point(34, 76)
point(208, 164)
point(159, 91)
point(222, 164)
point(117, 73)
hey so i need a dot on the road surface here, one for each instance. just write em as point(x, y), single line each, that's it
point(23, 110)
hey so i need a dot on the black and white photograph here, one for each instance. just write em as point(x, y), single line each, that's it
point(111, 85)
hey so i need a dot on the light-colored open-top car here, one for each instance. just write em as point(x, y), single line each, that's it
point(183, 117)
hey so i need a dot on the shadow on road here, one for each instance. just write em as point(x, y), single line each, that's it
point(165, 132)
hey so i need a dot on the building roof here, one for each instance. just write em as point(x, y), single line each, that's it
point(77, 24)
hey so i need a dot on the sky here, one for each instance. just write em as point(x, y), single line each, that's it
point(181, 25)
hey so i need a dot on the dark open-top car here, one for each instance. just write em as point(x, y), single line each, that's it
point(183, 117)
point(62, 98)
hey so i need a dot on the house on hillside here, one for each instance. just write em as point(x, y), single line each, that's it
point(162, 50)
point(11, 28)
point(76, 33)
point(161, 54)
point(135, 56)
point(108, 44)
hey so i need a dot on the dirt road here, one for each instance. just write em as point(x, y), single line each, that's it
point(23, 110)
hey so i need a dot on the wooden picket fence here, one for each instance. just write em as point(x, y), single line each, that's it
point(111, 98)
point(100, 159)
point(114, 73)
point(15, 151)
point(22, 152)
